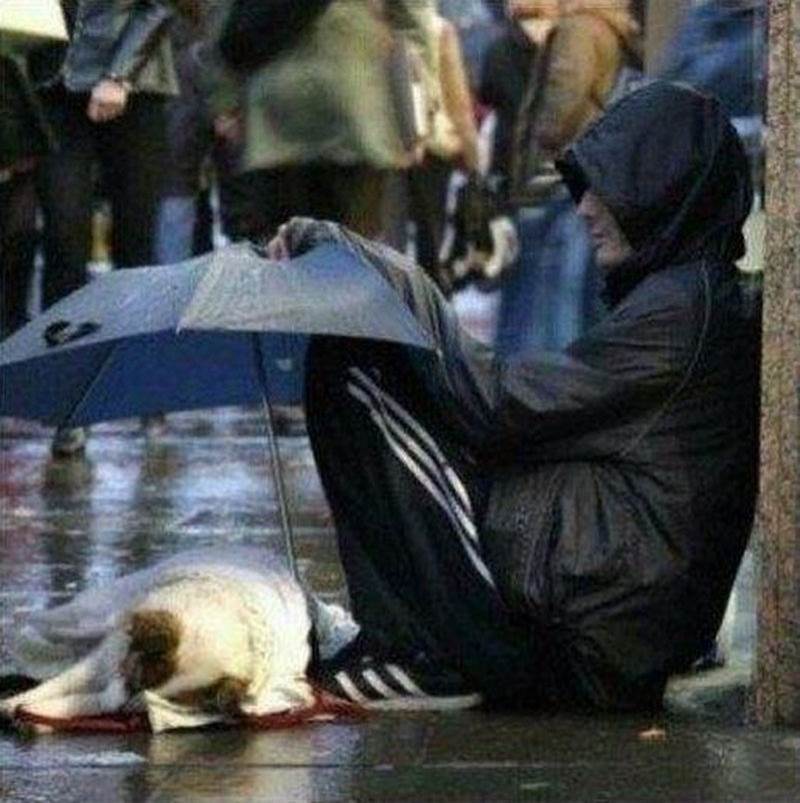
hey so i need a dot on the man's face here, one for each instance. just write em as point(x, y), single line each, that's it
point(611, 246)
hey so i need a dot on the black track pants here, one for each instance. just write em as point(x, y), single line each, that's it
point(407, 503)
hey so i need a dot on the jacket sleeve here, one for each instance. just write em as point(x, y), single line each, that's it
point(628, 365)
point(625, 369)
point(141, 32)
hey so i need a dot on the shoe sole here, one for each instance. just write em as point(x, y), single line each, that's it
point(456, 703)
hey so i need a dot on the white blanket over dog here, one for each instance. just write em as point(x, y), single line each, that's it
point(254, 583)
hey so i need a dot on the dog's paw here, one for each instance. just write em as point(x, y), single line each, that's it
point(29, 728)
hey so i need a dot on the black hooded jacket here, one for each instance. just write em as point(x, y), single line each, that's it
point(623, 471)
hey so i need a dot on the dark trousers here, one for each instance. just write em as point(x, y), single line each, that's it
point(427, 190)
point(407, 502)
point(17, 248)
point(130, 154)
point(258, 201)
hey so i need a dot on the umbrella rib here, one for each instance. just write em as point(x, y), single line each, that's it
point(91, 384)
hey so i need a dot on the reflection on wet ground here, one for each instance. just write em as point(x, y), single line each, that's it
point(69, 524)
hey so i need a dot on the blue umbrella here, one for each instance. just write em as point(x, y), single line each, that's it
point(227, 328)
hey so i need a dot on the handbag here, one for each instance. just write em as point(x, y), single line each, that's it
point(255, 31)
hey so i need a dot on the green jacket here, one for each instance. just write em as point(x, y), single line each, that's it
point(329, 98)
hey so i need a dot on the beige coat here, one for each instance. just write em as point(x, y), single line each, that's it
point(455, 134)
point(588, 49)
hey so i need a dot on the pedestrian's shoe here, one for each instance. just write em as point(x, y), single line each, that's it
point(395, 686)
point(68, 441)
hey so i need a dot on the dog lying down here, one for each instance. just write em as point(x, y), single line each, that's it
point(205, 637)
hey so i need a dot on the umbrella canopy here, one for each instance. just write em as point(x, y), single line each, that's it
point(227, 328)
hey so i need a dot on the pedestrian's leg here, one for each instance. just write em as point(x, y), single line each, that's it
point(203, 234)
point(175, 228)
point(522, 317)
point(395, 210)
point(407, 506)
point(66, 186)
point(351, 195)
point(133, 151)
point(17, 248)
point(256, 202)
point(428, 186)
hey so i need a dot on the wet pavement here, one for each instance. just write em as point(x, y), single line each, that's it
point(205, 481)
point(70, 523)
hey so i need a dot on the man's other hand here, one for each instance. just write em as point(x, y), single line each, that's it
point(301, 234)
point(108, 100)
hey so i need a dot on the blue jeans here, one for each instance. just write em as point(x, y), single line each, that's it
point(177, 216)
point(550, 298)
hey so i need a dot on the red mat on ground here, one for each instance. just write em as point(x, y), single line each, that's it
point(326, 708)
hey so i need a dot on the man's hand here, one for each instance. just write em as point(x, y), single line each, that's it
point(278, 247)
point(108, 100)
point(301, 234)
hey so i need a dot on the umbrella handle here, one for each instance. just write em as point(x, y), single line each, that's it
point(61, 332)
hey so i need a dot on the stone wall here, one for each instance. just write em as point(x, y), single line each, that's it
point(777, 687)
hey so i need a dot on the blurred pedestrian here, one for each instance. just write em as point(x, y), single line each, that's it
point(720, 48)
point(24, 139)
point(103, 95)
point(324, 109)
point(203, 153)
point(477, 23)
point(322, 128)
point(452, 144)
point(581, 47)
point(189, 138)
point(507, 71)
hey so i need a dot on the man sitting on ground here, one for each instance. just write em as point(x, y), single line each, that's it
point(558, 529)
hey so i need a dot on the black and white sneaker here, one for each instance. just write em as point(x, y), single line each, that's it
point(396, 686)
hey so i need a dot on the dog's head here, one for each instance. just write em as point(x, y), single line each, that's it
point(170, 655)
point(152, 657)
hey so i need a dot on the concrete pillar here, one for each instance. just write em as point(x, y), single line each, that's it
point(777, 679)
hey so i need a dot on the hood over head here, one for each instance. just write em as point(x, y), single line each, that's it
point(670, 167)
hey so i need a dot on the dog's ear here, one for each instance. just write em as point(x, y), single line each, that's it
point(154, 640)
point(225, 696)
point(154, 632)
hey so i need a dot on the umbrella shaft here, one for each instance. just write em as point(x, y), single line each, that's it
point(280, 488)
point(275, 458)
